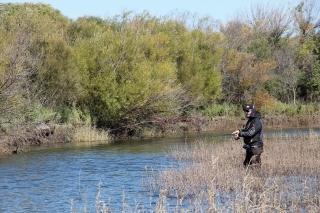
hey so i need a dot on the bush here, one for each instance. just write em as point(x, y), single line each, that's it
point(215, 110)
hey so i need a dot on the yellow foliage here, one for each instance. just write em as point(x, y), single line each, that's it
point(246, 31)
point(247, 73)
point(264, 101)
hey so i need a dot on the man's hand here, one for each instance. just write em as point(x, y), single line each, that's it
point(236, 134)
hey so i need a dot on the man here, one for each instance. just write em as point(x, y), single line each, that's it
point(252, 135)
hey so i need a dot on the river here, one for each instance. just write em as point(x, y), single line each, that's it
point(65, 178)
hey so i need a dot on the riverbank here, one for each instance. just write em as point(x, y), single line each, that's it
point(224, 123)
point(46, 133)
point(270, 122)
point(17, 139)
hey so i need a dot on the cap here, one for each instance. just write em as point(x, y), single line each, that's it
point(248, 106)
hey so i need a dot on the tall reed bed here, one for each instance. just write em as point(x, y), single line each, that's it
point(209, 177)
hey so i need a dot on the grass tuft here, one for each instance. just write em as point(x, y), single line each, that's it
point(88, 133)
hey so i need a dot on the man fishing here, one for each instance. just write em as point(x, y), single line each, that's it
point(252, 134)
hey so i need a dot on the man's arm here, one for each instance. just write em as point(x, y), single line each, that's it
point(256, 127)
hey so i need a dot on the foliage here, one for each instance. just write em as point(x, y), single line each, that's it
point(244, 76)
point(72, 116)
point(264, 101)
point(261, 49)
point(126, 70)
point(23, 27)
point(316, 83)
point(217, 110)
point(57, 80)
point(38, 113)
point(198, 59)
point(283, 109)
point(126, 78)
point(133, 75)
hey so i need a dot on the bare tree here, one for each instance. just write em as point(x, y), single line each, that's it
point(307, 18)
point(261, 22)
point(272, 22)
point(289, 75)
point(237, 33)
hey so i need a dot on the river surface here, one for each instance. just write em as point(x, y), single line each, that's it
point(67, 178)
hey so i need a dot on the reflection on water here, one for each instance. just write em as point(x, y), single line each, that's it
point(45, 179)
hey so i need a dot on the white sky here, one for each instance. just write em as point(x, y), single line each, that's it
point(222, 10)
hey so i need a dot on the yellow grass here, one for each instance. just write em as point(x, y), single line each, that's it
point(210, 177)
point(90, 133)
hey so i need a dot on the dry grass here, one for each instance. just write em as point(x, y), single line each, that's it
point(209, 177)
point(88, 133)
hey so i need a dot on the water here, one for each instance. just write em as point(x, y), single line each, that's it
point(46, 179)
point(58, 178)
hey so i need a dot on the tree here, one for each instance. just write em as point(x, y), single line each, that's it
point(56, 81)
point(126, 69)
point(198, 54)
point(36, 59)
point(307, 22)
point(244, 77)
point(284, 78)
point(269, 22)
point(237, 33)
point(16, 67)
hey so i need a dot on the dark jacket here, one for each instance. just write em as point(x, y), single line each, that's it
point(253, 131)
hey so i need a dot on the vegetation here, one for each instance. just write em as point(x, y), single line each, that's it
point(89, 133)
point(209, 177)
point(135, 72)
point(126, 73)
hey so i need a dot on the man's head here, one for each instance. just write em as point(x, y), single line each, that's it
point(250, 110)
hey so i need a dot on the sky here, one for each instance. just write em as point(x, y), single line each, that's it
point(222, 10)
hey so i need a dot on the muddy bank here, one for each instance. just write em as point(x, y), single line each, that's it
point(18, 138)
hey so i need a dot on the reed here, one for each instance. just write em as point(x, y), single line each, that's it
point(209, 177)
point(88, 133)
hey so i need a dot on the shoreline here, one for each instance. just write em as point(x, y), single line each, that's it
point(54, 133)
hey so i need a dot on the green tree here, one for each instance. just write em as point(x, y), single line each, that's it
point(57, 81)
point(307, 22)
point(126, 70)
point(198, 54)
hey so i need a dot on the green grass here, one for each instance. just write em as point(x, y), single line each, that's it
point(279, 109)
